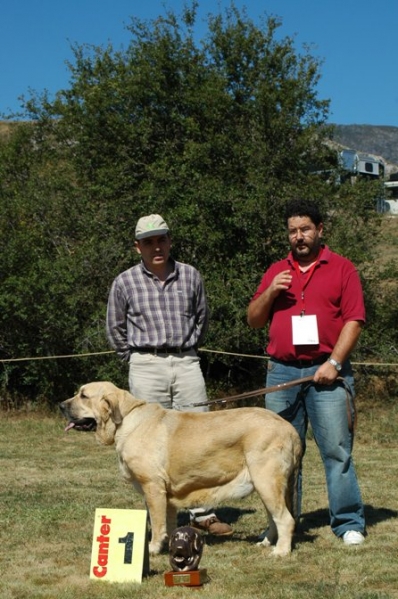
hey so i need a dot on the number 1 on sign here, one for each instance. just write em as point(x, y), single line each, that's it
point(128, 540)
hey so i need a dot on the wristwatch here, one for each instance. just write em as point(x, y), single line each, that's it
point(335, 363)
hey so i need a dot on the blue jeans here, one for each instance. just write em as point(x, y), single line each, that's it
point(325, 408)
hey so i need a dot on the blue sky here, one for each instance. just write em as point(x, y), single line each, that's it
point(357, 41)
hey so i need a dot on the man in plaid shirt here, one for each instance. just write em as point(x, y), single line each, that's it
point(156, 319)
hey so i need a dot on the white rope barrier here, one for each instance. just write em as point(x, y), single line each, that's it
point(202, 349)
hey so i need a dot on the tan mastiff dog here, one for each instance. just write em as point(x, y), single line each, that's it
point(182, 459)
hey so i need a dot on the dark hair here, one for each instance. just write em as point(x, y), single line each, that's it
point(303, 208)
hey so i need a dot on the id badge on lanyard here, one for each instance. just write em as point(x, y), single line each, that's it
point(305, 326)
point(305, 329)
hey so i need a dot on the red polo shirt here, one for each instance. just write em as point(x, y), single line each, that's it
point(332, 291)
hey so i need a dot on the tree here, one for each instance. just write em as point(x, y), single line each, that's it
point(214, 135)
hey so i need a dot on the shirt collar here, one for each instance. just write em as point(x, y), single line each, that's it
point(149, 273)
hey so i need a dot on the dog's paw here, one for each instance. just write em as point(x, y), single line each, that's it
point(154, 548)
point(268, 537)
point(264, 543)
point(280, 551)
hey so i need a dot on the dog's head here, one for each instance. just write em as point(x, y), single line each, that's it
point(185, 549)
point(95, 407)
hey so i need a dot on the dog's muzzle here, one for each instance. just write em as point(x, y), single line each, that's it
point(79, 424)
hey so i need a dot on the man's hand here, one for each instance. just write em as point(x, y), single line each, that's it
point(326, 374)
point(281, 282)
point(259, 310)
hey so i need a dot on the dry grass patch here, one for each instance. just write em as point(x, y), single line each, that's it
point(52, 482)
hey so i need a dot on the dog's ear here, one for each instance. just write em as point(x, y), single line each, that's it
point(111, 407)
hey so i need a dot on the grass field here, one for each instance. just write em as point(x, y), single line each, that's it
point(51, 483)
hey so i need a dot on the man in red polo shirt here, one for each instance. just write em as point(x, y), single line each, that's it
point(313, 302)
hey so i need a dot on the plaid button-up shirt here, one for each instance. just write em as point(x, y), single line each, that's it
point(144, 312)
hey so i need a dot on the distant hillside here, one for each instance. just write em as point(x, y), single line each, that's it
point(371, 139)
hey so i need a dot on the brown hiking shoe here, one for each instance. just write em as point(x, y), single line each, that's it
point(213, 526)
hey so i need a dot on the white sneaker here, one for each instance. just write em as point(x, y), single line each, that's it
point(353, 537)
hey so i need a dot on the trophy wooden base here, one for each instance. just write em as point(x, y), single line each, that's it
point(195, 578)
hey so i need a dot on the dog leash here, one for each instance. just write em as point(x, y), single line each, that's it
point(351, 409)
point(304, 379)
